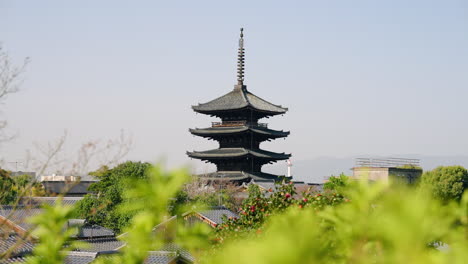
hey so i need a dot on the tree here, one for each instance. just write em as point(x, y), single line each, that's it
point(446, 183)
point(336, 183)
point(28, 186)
point(8, 191)
point(13, 188)
point(103, 208)
point(10, 81)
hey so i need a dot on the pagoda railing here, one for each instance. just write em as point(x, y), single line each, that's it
point(238, 123)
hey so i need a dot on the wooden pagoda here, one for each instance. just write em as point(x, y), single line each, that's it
point(239, 157)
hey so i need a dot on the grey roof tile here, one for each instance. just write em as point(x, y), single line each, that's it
point(181, 251)
point(20, 214)
point(79, 257)
point(13, 260)
point(94, 231)
point(48, 200)
point(215, 214)
point(15, 242)
point(161, 257)
point(101, 244)
point(71, 258)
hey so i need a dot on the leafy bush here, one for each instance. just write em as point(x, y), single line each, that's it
point(259, 207)
point(364, 223)
point(446, 183)
point(13, 188)
point(380, 224)
point(8, 192)
point(102, 208)
point(336, 183)
point(52, 236)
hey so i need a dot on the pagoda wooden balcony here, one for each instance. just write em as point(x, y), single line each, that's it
point(237, 123)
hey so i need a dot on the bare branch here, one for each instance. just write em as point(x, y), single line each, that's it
point(10, 82)
point(9, 74)
point(90, 156)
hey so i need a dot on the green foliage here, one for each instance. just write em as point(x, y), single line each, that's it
point(259, 207)
point(28, 186)
point(52, 235)
point(410, 166)
point(176, 204)
point(381, 224)
point(102, 208)
point(336, 183)
point(217, 198)
point(8, 190)
point(13, 188)
point(148, 200)
point(446, 183)
point(375, 223)
point(22, 181)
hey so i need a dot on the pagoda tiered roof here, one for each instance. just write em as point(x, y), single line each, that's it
point(223, 153)
point(239, 132)
point(239, 99)
point(228, 130)
point(238, 176)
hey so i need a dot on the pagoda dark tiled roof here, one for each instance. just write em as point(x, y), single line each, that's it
point(238, 175)
point(239, 129)
point(238, 99)
point(237, 152)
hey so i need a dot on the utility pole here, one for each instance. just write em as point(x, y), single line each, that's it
point(16, 164)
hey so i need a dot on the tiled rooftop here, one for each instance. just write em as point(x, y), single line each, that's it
point(101, 244)
point(215, 214)
point(15, 243)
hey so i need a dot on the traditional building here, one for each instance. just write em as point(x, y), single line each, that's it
point(239, 157)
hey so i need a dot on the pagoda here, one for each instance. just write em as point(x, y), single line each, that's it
point(239, 157)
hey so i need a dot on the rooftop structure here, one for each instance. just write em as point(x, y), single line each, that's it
point(212, 216)
point(239, 157)
point(388, 169)
point(68, 185)
point(386, 162)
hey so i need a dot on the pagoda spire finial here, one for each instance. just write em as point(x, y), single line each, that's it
point(240, 59)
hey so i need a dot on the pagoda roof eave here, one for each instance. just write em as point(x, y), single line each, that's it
point(238, 176)
point(224, 153)
point(213, 131)
point(239, 99)
point(221, 112)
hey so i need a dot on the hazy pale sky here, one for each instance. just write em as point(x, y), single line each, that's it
point(359, 77)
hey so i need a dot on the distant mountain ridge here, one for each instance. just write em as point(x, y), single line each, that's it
point(316, 170)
